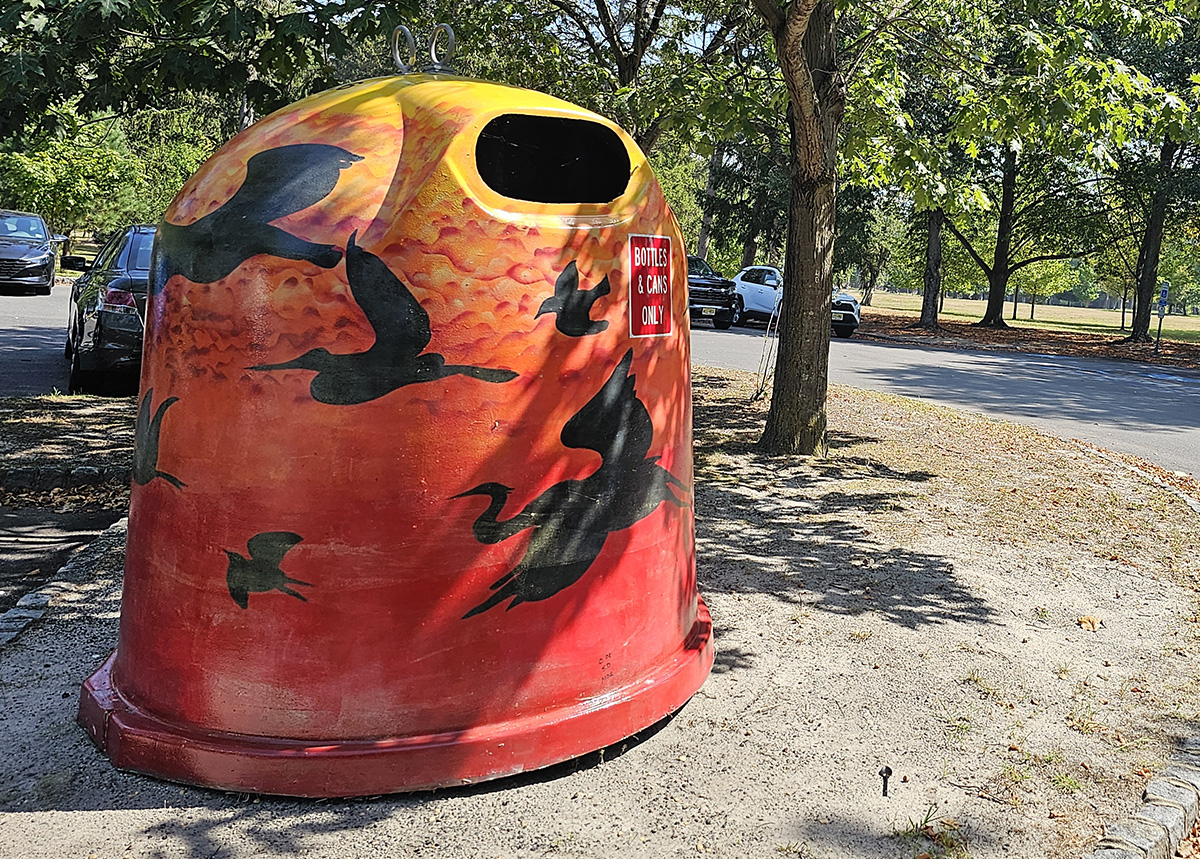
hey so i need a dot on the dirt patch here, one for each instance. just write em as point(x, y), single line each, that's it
point(63, 432)
point(1005, 619)
point(40, 528)
point(897, 325)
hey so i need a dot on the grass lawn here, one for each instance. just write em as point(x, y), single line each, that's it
point(85, 249)
point(1082, 320)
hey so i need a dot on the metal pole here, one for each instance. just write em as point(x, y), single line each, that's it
point(1163, 287)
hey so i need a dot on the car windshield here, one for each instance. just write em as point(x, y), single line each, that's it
point(698, 266)
point(21, 227)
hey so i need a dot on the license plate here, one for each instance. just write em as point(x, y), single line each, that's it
point(839, 316)
point(708, 311)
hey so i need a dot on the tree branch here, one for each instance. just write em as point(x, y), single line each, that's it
point(773, 14)
point(611, 32)
point(585, 29)
point(987, 269)
point(859, 49)
point(1047, 257)
point(718, 40)
point(958, 59)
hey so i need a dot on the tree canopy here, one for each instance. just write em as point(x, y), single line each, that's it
point(106, 56)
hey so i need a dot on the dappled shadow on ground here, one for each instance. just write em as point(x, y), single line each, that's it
point(798, 529)
point(53, 766)
point(731, 658)
point(64, 477)
point(64, 432)
point(35, 542)
point(283, 826)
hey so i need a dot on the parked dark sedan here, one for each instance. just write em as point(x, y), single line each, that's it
point(26, 252)
point(108, 304)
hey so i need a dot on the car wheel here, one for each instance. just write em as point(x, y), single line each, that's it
point(843, 330)
point(739, 312)
point(722, 321)
point(80, 381)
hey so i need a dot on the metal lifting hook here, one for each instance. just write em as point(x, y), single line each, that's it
point(439, 64)
point(439, 59)
point(401, 66)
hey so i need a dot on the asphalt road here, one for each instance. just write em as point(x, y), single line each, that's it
point(33, 329)
point(1149, 411)
point(1142, 409)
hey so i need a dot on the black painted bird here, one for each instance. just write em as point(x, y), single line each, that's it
point(260, 572)
point(573, 518)
point(402, 332)
point(145, 449)
point(278, 182)
point(573, 305)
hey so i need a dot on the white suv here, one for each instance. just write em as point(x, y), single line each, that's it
point(759, 288)
point(847, 314)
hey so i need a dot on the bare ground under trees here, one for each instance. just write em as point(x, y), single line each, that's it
point(913, 600)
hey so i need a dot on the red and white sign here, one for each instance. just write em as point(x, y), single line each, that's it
point(650, 286)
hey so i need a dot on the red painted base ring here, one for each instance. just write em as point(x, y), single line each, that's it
point(137, 741)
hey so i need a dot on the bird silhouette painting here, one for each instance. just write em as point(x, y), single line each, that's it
point(572, 519)
point(573, 306)
point(260, 572)
point(397, 358)
point(279, 182)
point(145, 450)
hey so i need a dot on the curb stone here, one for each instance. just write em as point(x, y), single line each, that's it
point(1169, 808)
point(32, 607)
point(42, 478)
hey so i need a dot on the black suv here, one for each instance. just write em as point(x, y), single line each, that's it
point(108, 304)
point(26, 252)
point(710, 296)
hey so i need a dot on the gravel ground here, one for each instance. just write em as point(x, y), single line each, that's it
point(923, 599)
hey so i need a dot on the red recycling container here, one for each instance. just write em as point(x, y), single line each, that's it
point(412, 499)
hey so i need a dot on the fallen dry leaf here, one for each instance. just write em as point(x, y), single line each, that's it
point(1090, 623)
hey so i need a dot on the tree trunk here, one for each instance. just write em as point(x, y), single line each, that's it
point(1016, 300)
point(1032, 304)
point(1148, 255)
point(806, 47)
point(933, 272)
point(869, 289)
point(710, 191)
point(993, 317)
point(796, 420)
point(749, 250)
